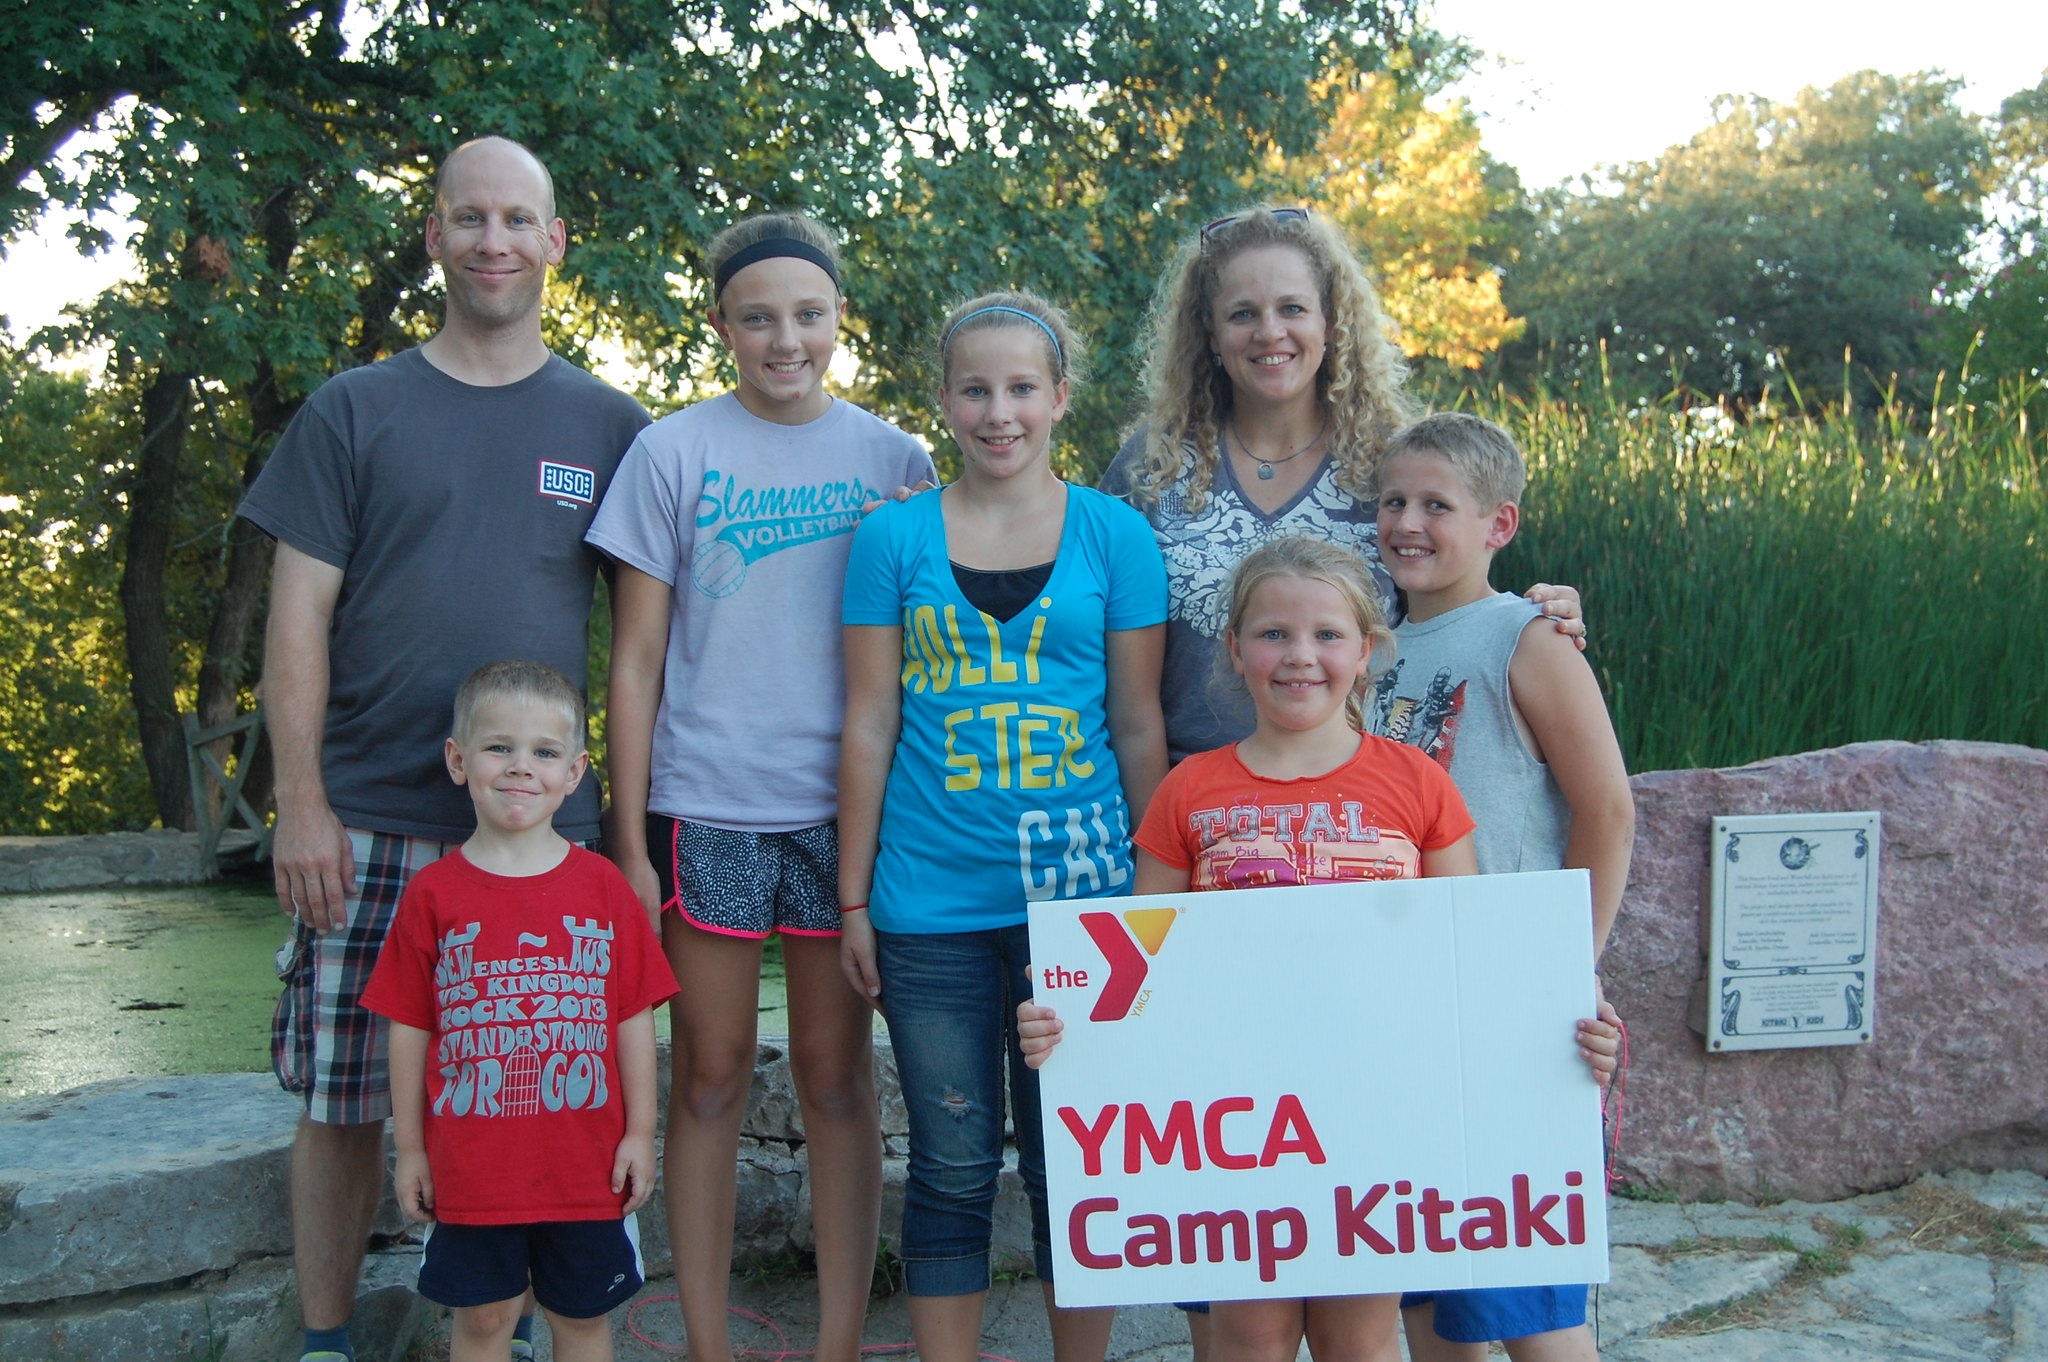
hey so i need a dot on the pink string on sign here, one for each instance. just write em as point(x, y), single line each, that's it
point(1611, 1104)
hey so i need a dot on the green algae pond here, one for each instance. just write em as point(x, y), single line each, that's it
point(123, 982)
point(109, 983)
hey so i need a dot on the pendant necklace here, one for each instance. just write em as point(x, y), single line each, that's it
point(1266, 465)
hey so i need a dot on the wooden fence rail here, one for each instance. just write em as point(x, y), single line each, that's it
point(217, 797)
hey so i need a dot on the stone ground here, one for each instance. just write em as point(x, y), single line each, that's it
point(1951, 1267)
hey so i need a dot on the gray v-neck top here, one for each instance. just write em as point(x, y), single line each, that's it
point(1204, 704)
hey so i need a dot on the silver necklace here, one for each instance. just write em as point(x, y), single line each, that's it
point(1266, 465)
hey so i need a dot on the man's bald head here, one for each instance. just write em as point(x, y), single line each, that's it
point(492, 146)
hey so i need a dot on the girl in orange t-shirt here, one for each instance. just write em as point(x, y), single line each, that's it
point(1306, 799)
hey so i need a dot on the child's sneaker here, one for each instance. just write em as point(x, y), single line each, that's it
point(522, 1351)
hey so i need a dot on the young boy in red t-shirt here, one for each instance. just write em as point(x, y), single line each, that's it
point(520, 978)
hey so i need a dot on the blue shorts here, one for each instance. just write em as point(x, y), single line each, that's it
point(1486, 1314)
point(579, 1269)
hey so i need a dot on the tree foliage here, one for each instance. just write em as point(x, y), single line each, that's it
point(1773, 241)
point(1081, 178)
point(277, 158)
point(1406, 176)
point(2019, 172)
point(1998, 325)
point(68, 761)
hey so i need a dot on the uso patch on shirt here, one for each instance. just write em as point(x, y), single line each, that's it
point(569, 482)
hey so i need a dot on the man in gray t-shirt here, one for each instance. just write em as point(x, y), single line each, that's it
point(429, 512)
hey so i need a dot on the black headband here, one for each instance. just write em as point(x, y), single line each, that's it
point(769, 248)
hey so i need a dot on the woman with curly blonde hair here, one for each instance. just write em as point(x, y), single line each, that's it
point(1272, 386)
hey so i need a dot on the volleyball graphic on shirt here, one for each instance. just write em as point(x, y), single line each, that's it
point(748, 523)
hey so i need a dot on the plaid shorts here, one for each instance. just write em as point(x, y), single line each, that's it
point(324, 1045)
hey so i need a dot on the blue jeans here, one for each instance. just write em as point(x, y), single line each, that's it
point(951, 1003)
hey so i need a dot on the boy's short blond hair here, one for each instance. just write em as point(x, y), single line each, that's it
point(513, 680)
point(1485, 456)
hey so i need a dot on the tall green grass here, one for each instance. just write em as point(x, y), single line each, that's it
point(1781, 583)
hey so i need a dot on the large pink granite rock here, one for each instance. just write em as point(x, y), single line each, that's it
point(1957, 1074)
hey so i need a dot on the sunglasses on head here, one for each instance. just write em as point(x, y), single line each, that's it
point(1210, 232)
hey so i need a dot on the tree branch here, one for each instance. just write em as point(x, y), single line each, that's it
point(37, 150)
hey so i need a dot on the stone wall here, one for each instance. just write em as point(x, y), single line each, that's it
point(1957, 1072)
point(149, 1218)
point(160, 856)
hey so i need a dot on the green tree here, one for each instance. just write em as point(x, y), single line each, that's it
point(1098, 136)
point(277, 157)
point(2019, 172)
point(1773, 241)
point(68, 761)
point(1403, 170)
point(1998, 325)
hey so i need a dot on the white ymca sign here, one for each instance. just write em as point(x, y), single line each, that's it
point(1334, 1090)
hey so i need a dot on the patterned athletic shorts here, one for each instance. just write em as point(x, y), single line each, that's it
point(748, 884)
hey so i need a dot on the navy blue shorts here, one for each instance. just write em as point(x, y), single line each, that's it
point(579, 1269)
point(1485, 1314)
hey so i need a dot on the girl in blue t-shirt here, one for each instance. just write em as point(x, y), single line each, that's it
point(1002, 738)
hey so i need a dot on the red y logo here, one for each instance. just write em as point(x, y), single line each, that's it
point(1127, 967)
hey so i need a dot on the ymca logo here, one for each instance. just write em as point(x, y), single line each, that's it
point(569, 482)
point(1119, 940)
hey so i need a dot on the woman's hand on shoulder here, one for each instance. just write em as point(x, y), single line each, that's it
point(1563, 606)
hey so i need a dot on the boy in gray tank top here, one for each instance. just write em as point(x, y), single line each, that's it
point(1516, 717)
